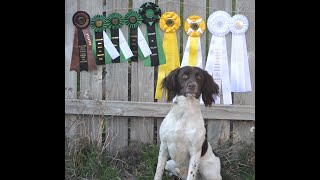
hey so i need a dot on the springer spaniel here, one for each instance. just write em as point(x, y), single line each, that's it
point(182, 132)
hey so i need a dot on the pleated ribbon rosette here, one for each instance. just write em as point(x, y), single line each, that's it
point(240, 75)
point(82, 58)
point(115, 22)
point(194, 26)
point(169, 23)
point(217, 60)
point(102, 45)
point(137, 42)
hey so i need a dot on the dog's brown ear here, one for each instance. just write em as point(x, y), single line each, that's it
point(170, 84)
point(209, 89)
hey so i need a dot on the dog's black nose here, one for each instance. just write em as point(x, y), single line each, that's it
point(192, 85)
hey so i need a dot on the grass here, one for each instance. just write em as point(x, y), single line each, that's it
point(87, 160)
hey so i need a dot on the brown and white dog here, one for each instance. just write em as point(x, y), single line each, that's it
point(182, 132)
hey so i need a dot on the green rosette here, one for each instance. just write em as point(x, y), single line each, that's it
point(114, 21)
point(98, 24)
point(150, 13)
point(132, 19)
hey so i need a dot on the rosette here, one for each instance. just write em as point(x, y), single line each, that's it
point(217, 60)
point(240, 75)
point(137, 42)
point(82, 55)
point(150, 13)
point(101, 42)
point(194, 26)
point(114, 23)
point(169, 23)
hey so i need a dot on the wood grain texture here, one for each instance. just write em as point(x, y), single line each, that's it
point(91, 82)
point(218, 132)
point(151, 109)
point(169, 6)
point(241, 130)
point(70, 76)
point(142, 90)
point(117, 84)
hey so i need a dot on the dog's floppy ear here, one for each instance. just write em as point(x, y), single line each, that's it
point(209, 89)
point(170, 84)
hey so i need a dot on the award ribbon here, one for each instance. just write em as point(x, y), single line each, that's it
point(101, 42)
point(194, 26)
point(114, 22)
point(240, 76)
point(217, 60)
point(150, 14)
point(169, 23)
point(137, 42)
point(82, 45)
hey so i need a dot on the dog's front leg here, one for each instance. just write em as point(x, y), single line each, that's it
point(162, 160)
point(193, 165)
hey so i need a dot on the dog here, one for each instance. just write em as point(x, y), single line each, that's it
point(182, 132)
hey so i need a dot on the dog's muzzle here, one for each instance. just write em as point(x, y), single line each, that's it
point(192, 89)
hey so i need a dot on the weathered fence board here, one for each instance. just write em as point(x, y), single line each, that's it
point(218, 132)
point(142, 90)
point(152, 110)
point(169, 6)
point(70, 76)
point(241, 130)
point(117, 85)
point(91, 82)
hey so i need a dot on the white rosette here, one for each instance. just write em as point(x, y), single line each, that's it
point(217, 60)
point(240, 76)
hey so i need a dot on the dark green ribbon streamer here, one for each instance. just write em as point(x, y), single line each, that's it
point(161, 56)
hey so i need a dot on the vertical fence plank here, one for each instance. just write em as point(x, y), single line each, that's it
point(218, 131)
point(169, 6)
point(70, 76)
point(117, 85)
point(241, 129)
point(199, 9)
point(142, 83)
point(91, 82)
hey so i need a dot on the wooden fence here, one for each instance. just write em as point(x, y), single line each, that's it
point(116, 102)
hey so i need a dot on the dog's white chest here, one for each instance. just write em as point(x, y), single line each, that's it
point(183, 131)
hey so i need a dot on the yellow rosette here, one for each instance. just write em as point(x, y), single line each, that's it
point(194, 26)
point(169, 23)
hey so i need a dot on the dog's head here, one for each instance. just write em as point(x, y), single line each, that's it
point(191, 81)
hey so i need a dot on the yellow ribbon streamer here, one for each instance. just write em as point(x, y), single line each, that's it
point(193, 56)
point(169, 23)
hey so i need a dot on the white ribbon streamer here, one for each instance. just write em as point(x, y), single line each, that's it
point(240, 75)
point(143, 45)
point(126, 51)
point(109, 46)
point(217, 60)
point(217, 66)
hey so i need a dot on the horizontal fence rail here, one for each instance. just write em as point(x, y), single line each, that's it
point(150, 109)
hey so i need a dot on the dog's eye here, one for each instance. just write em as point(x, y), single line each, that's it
point(185, 76)
point(199, 77)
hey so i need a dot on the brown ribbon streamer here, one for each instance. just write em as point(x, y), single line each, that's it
point(88, 56)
